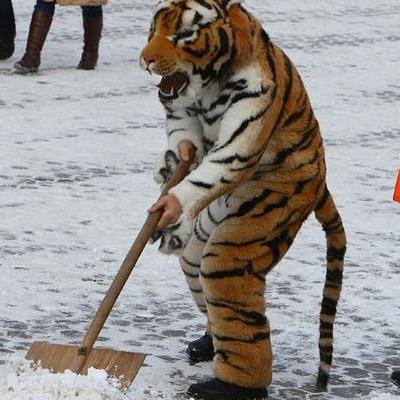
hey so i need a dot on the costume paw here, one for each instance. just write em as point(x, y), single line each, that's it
point(174, 238)
point(165, 165)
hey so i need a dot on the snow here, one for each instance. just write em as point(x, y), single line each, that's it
point(77, 150)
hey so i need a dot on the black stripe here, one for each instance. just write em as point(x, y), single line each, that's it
point(191, 264)
point(289, 72)
point(316, 157)
point(170, 116)
point(240, 84)
point(189, 274)
point(231, 159)
point(233, 100)
point(233, 273)
point(282, 203)
point(283, 154)
point(323, 199)
point(225, 181)
point(248, 95)
point(295, 117)
point(199, 53)
point(224, 49)
point(197, 18)
point(326, 325)
point(222, 99)
point(335, 254)
point(197, 234)
point(202, 230)
point(326, 358)
point(204, 4)
point(202, 184)
point(335, 276)
point(170, 133)
point(226, 303)
point(328, 306)
point(334, 222)
point(242, 128)
point(211, 217)
point(230, 273)
point(251, 323)
point(265, 36)
point(301, 184)
point(248, 206)
point(183, 34)
point(256, 338)
point(238, 244)
point(222, 354)
point(247, 166)
point(209, 254)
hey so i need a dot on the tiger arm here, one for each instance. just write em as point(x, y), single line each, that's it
point(244, 134)
point(181, 124)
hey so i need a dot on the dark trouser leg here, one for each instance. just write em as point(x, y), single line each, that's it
point(40, 24)
point(7, 29)
point(92, 26)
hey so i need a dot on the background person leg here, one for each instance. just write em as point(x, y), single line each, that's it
point(92, 26)
point(7, 29)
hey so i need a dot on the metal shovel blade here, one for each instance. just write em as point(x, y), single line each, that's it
point(121, 365)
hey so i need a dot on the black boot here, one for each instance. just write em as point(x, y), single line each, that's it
point(214, 389)
point(6, 47)
point(7, 29)
point(92, 27)
point(395, 378)
point(40, 25)
point(201, 349)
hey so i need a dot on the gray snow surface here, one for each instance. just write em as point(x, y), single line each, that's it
point(76, 155)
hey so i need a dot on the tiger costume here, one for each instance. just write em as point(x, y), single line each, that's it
point(260, 173)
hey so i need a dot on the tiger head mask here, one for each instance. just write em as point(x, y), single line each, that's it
point(205, 38)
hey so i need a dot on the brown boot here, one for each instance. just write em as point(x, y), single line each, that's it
point(92, 27)
point(40, 25)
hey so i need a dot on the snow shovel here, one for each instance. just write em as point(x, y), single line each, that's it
point(122, 365)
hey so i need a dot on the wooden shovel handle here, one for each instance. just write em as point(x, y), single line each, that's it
point(130, 261)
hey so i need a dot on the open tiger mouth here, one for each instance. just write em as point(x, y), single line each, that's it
point(174, 84)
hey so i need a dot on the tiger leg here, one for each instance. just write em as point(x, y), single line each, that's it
point(190, 259)
point(190, 263)
point(237, 257)
point(328, 216)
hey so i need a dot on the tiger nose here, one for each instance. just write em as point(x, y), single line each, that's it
point(149, 60)
point(146, 62)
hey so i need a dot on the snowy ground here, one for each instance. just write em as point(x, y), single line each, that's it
point(76, 158)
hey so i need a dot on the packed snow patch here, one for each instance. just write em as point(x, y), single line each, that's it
point(19, 381)
point(382, 396)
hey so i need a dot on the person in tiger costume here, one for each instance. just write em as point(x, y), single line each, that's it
point(260, 172)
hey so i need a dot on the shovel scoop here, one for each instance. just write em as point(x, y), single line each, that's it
point(121, 365)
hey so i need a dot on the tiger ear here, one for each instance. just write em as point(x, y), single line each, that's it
point(227, 4)
point(242, 33)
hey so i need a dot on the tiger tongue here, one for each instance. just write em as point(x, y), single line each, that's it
point(173, 84)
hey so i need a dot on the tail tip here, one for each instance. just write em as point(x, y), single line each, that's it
point(322, 380)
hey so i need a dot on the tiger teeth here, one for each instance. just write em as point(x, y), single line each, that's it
point(182, 88)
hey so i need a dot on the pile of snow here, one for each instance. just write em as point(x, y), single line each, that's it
point(19, 381)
